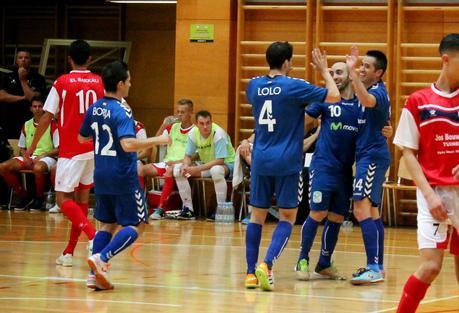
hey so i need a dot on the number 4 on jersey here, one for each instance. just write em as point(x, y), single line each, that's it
point(267, 110)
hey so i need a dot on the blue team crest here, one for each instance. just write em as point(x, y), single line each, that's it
point(317, 197)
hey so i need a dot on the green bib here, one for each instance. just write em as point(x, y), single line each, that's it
point(206, 148)
point(46, 141)
point(176, 151)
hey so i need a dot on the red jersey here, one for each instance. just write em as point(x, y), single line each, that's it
point(430, 124)
point(70, 96)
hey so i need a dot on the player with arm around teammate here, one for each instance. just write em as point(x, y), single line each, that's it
point(119, 197)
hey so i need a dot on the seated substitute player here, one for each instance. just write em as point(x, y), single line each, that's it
point(41, 162)
point(174, 155)
point(428, 133)
point(278, 103)
point(372, 158)
point(331, 174)
point(216, 154)
point(119, 198)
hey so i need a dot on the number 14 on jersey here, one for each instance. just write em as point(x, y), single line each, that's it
point(266, 115)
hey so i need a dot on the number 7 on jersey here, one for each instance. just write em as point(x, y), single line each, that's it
point(267, 110)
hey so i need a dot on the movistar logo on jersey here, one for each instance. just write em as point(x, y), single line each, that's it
point(336, 126)
point(101, 112)
point(339, 126)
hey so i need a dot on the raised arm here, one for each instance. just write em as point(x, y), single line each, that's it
point(319, 63)
point(365, 98)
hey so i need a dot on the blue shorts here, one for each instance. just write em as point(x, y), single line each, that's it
point(330, 191)
point(369, 178)
point(125, 209)
point(286, 188)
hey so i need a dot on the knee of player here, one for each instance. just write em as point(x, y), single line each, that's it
point(335, 218)
point(318, 216)
point(430, 269)
point(217, 172)
point(39, 168)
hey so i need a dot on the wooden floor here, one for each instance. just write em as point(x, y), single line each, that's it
point(197, 266)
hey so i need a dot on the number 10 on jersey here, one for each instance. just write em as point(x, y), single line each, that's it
point(266, 115)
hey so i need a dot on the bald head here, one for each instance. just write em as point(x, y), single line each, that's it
point(340, 73)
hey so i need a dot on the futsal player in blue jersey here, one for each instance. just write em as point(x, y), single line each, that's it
point(372, 158)
point(330, 174)
point(278, 103)
point(119, 197)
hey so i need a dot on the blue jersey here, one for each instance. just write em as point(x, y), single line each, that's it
point(278, 108)
point(371, 143)
point(335, 147)
point(108, 121)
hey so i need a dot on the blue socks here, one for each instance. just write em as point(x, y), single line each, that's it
point(123, 239)
point(380, 227)
point(279, 240)
point(329, 239)
point(252, 245)
point(370, 240)
point(101, 240)
point(308, 234)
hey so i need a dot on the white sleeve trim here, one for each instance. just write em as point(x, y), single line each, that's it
point(407, 134)
point(52, 102)
point(55, 136)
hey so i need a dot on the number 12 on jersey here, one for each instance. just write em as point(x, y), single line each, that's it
point(267, 110)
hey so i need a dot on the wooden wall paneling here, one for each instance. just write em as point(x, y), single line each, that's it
point(309, 39)
point(151, 29)
point(238, 96)
point(202, 70)
point(260, 25)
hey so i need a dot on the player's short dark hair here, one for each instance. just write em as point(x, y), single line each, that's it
point(277, 53)
point(22, 50)
point(204, 114)
point(37, 98)
point(381, 60)
point(185, 101)
point(113, 73)
point(449, 43)
point(80, 51)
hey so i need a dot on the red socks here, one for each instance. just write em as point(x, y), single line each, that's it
point(75, 214)
point(169, 184)
point(75, 231)
point(40, 182)
point(13, 181)
point(413, 292)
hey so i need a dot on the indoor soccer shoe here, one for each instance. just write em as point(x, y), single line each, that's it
point(91, 283)
point(265, 277)
point(302, 269)
point(158, 214)
point(367, 276)
point(330, 272)
point(65, 260)
point(186, 214)
point(251, 281)
point(100, 269)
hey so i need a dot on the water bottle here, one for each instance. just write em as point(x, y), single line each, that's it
point(219, 213)
point(347, 225)
point(49, 200)
point(230, 212)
